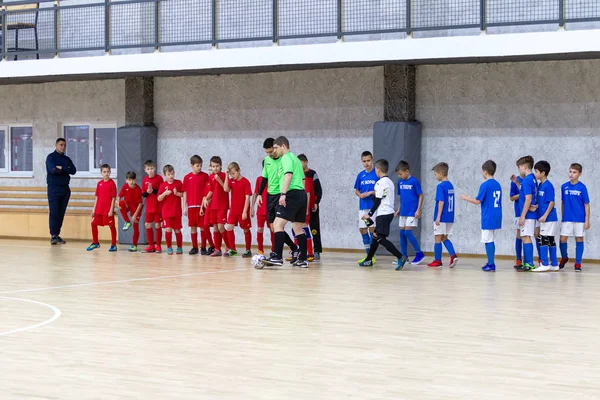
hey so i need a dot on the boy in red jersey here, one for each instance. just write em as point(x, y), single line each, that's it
point(261, 215)
point(169, 196)
point(205, 214)
point(309, 187)
point(219, 204)
point(193, 193)
point(131, 204)
point(239, 213)
point(104, 207)
point(150, 185)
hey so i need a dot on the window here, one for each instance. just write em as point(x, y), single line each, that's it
point(90, 146)
point(16, 149)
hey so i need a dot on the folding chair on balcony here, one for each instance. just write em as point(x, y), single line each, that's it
point(22, 21)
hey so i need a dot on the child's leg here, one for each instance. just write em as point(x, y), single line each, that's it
point(260, 239)
point(366, 238)
point(437, 248)
point(490, 250)
point(579, 247)
point(179, 238)
point(230, 237)
point(158, 234)
point(123, 210)
point(373, 248)
point(218, 238)
point(564, 253)
point(247, 239)
point(309, 240)
point(149, 234)
point(194, 236)
point(526, 234)
point(95, 233)
point(403, 241)
point(412, 239)
point(449, 246)
point(552, 248)
point(136, 233)
point(519, 246)
point(544, 242)
point(169, 237)
point(113, 234)
point(538, 243)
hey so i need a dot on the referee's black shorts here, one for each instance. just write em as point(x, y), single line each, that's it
point(295, 206)
point(272, 204)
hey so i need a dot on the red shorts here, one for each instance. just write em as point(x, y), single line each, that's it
point(217, 217)
point(171, 222)
point(194, 217)
point(153, 217)
point(234, 219)
point(103, 220)
point(261, 221)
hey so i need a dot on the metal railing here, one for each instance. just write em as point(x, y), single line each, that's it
point(90, 26)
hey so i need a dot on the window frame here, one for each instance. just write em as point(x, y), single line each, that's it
point(7, 172)
point(91, 172)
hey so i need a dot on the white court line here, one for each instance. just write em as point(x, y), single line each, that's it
point(122, 281)
point(56, 315)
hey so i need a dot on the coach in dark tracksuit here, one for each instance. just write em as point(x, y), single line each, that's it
point(59, 169)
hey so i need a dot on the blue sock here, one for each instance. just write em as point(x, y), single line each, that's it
point(519, 248)
point(366, 237)
point(403, 243)
point(538, 247)
point(528, 250)
point(544, 254)
point(437, 252)
point(490, 250)
point(553, 256)
point(563, 249)
point(307, 232)
point(449, 247)
point(413, 241)
point(578, 252)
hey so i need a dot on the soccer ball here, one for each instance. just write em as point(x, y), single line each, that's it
point(257, 261)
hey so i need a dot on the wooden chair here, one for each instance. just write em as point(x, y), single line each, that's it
point(20, 24)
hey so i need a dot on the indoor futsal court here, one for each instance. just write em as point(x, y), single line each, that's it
point(136, 326)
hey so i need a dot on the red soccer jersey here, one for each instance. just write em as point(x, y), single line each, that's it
point(132, 196)
point(262, 210)
point(151, 200)
point(171, 204)
point(105, 191)
point(220, 198)
point(194, 186)
point(239, 190)
point(309, 187)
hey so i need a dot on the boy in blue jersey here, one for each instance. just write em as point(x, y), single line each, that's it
point(528, 205)
point(490, 198)
point(364, 188)
point(515, 187)
point(443, 216)
point(575, 215)
point(547, 217)
point(411, 202)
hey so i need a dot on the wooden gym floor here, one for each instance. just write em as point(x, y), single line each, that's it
point(79, 325)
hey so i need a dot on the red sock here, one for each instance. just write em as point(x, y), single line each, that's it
point(150, 237)
point(260, 239)
point(95, 234)
point(136, 234)
point(179, 239)
point(218, 239)
point(295, 241)
point(309, 247)
point(230, 240)
point(194, 240)
point(272, 241)
point(225, 235)
point(124, 215)
point(113, 235)
point(203, 238)
point(209, 236)
point(158, 236)
point(169, 239)
point(248, 239)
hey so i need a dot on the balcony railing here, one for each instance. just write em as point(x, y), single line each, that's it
point(50, 28)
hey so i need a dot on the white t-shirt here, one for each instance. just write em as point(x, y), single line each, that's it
point(384, 190)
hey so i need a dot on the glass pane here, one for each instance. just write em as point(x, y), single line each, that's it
point(78, 146)
point(21, 148)
point(2, 149)
point(105, 147)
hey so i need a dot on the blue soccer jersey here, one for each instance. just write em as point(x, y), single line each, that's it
point(528, 186)
point(574, 198)
point(444, 192)
point(545, 197)
point(514, 190)
point(365, 182)
point(409, 192)
point(490, 196)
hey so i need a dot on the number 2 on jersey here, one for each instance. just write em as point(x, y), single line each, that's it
point(496, 199)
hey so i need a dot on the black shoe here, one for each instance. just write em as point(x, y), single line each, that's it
point(301, 263)
point(210, 251)
point(203, 251)
point(295, 255)
point(271, 255)
point(61, 240)
point(54, 240)
point(273, 261)
point(193, 251)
